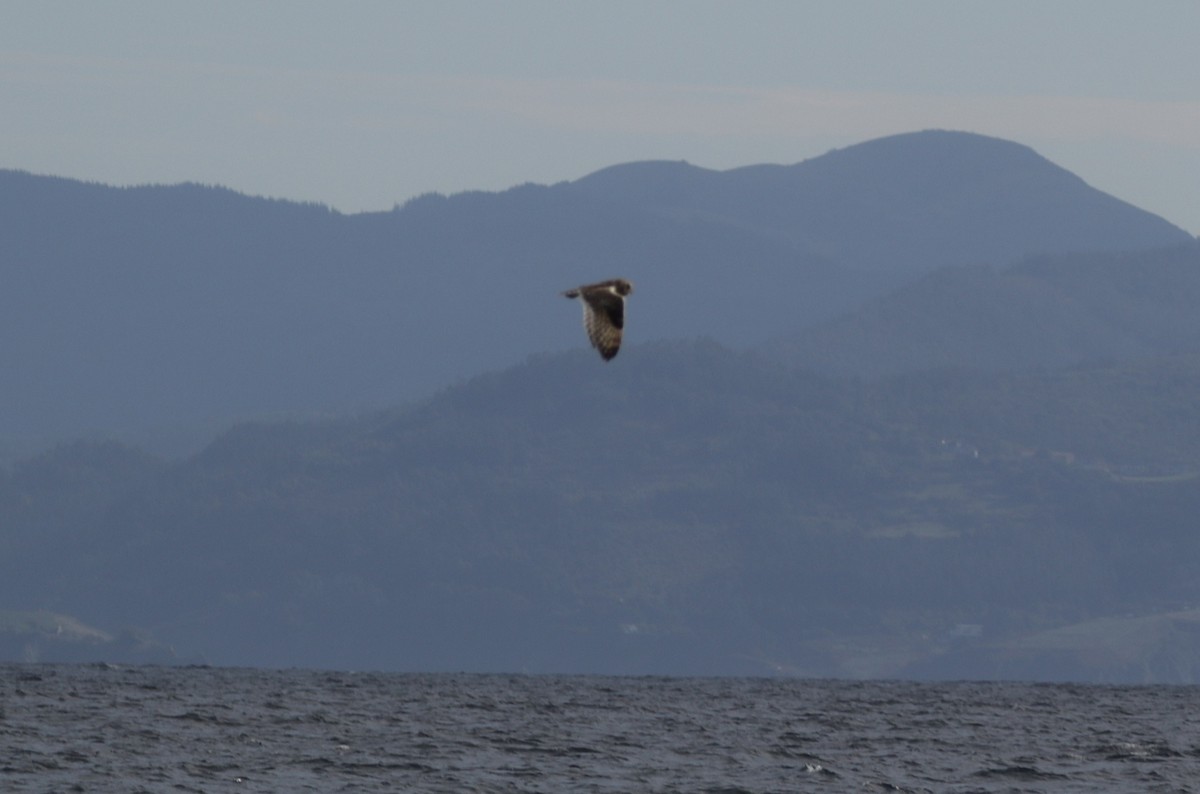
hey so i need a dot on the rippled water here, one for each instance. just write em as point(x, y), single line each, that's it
point(101, 728)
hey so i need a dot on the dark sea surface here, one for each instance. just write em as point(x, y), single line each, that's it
point(98, 728)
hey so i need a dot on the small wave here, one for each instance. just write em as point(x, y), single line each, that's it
point(1021, 773)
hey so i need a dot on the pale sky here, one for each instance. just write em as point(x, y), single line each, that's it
point(363, 104)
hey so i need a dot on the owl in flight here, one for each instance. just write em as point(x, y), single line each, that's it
point(604, 313)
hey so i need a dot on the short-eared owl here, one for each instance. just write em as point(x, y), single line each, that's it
point(604, 313)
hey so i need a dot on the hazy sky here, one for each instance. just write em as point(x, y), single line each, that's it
point(363, 104)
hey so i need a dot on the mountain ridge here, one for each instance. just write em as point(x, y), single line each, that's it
point(193, 306)
point(907, 186)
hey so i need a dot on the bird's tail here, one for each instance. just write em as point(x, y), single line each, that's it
point(572, 293)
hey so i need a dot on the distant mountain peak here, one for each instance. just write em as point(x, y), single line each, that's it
point(931, 157)
point(903, 204)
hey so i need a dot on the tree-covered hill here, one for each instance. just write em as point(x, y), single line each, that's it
point(684, 509)
point(1049, 311)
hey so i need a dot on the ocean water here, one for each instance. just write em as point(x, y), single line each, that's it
point(99, 728)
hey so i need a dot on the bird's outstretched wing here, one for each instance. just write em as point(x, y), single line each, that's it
point(604, 313)
point(604, 318)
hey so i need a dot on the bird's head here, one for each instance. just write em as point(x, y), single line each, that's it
point(623, 287)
